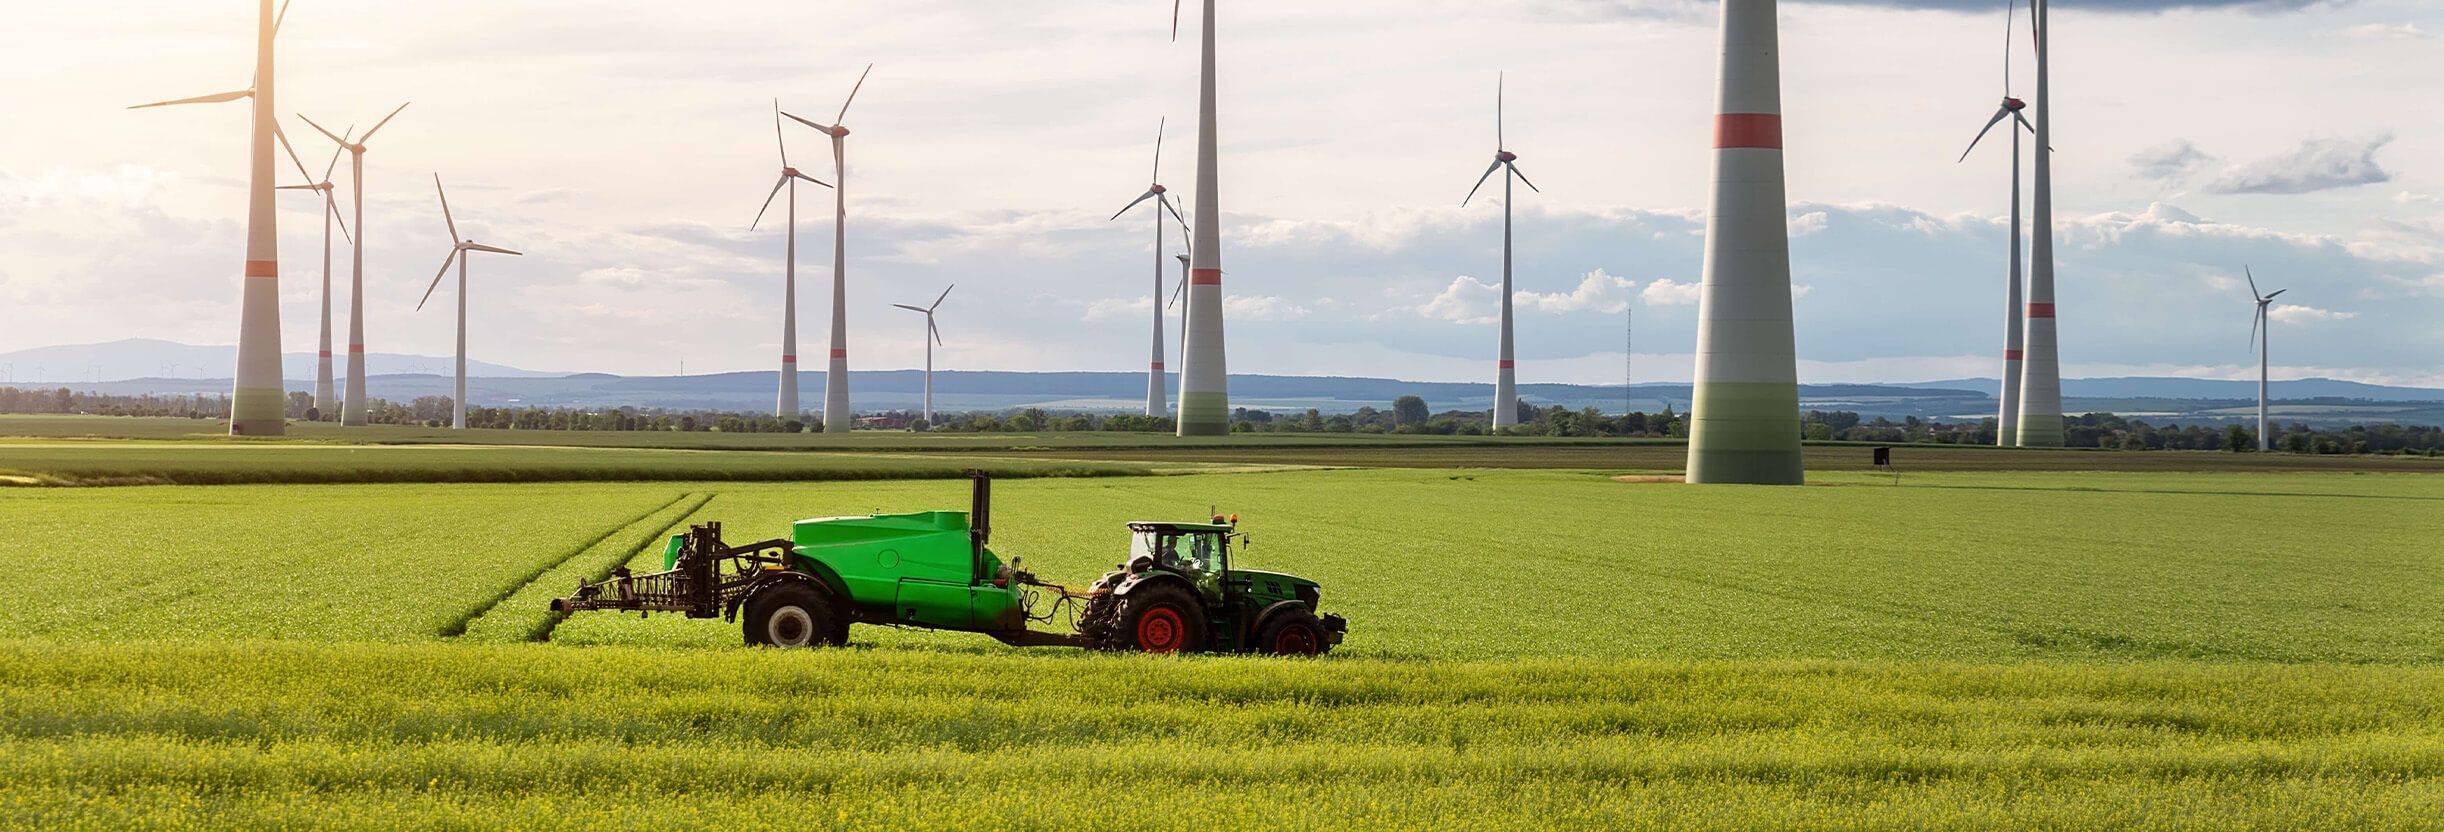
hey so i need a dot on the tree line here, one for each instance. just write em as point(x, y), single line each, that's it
point(1407, 415)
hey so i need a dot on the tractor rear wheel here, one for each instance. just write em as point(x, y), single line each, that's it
point(1293, 632)
point(1160, 619)
point(792, 614)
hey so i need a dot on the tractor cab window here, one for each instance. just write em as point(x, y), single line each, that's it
point(1194, 551)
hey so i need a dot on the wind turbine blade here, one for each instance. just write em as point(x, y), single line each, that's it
point(2277, 293)
point(937, 300)
point(1177, 295)
point(1489, 174)
point(759, 212)
point(378, 125)
point(1175, 214)
point(2253, 322)
point(318, 128)
point(1999, 115)
point(2024, 125)
point(214, 98)
point(330, 203)
point(294, 188)
point(1175, 21)
point(1499, 77)
point(909, 308)
point(2253, 292)
point(843, 117)
point(826, 128)
point(937, 331)
point(283, 136)
point(776, 132)
point(493, 249)
point(1522, 178)
point(335, 153)
point(437, 276)
point(1132, 204)
point(1158, 148)
point(814, 180)
point(280, 18)
point(445, 208)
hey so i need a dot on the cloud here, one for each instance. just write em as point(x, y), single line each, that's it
point(2384, 31)
point(1668, 292)
point(1596, 291)
point(2316, 165)
point(2171, 162)
point(1262, 308)
point(2411, 198)
point(2113, 6)
point(1466, 301)
point(2292, 314)
point(1808, 223)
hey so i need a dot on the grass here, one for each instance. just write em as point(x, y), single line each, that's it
point(1528, 649)
point(316, 736)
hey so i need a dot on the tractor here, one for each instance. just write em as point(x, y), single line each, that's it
point(1177, 592)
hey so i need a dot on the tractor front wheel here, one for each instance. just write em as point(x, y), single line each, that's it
point(1293, 632)
point(792, 615)
point(1161, 619)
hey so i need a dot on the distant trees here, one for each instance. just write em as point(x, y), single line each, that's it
point(1409, 410)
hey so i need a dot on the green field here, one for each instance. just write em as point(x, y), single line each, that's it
point(1539, 647)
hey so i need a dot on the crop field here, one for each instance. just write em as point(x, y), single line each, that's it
point(223, 463)
point(1536, 648)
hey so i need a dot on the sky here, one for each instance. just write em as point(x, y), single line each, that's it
point(625, 146)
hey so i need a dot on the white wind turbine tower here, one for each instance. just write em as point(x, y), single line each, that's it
point(2261, 328)
point(2041, 370)
point(458, 252)
point(330, 211)
point(1156, 192)
point(1204, 365)
point(935, 337)
point(352, 399)
point(837, 418)
point(2007, 419)
point(787, 405)
point(1506, 384)
point(258, 398)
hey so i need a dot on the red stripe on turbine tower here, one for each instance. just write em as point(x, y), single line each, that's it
point(2013, 355)
point(1205, 277)
point(789, 359)
point(1506, 364)
point(262, 268)
point(2040, 310)
point(1757, 130)
point(840, 353)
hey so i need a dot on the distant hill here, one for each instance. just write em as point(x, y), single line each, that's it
point(153, 358)
point(140, 365)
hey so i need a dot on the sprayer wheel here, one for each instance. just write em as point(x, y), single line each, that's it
point(792, 614)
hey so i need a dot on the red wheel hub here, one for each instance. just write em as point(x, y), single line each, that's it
point(1160, 630)
point(1294, 641)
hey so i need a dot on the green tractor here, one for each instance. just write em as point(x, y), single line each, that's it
point(1177, 592)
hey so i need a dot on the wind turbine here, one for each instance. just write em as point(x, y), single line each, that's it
point(2261, 328)
point(352, 399)
point(837, 418)
point(1156, 192)
point(936, 338)
point(2041, 372)
point(330, 211)
point(458, 252)
point(1179, 298)
point(2007, 419)
point(1204, 366)
point(1744, 414)
point(257, 397)
point(787, 405)
point(1506, 385)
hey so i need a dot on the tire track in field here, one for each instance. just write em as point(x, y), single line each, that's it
point(551, 622)
point(458, 626)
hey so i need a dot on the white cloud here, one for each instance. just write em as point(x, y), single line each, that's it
point(2384, 31)
point(1808, 223)
point(1262, 308)
point(1668, 292)
point(2412, 198)
point(2318, 164)
point(1596, 291)
point(2292, 314)
point(1106, 309)
point(1466, 301)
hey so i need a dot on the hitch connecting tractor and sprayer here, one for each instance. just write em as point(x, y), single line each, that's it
point(1177, 592)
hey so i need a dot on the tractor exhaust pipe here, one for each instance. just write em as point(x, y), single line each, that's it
point(979, 521)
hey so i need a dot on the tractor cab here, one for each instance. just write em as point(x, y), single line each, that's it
point(1178, 591)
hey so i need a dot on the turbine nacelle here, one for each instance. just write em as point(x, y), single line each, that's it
point(1158, 188)
point(2014, 104)
point(1505, 156)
